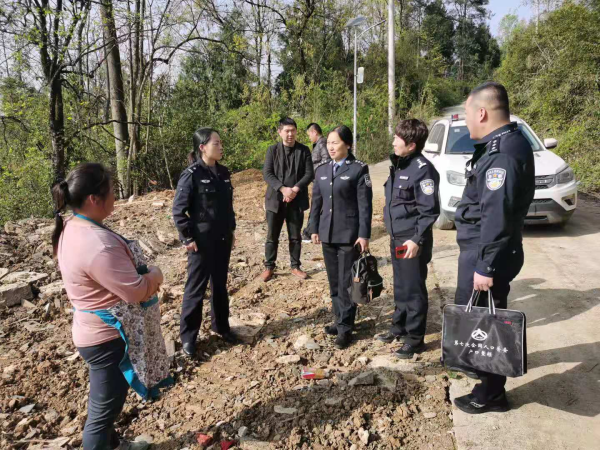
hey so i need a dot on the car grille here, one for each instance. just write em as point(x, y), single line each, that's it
point(539, 201)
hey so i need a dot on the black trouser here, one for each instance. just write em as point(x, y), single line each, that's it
point(294, 218)
point(508, 267)
point(108, 391)
point(410, 293)
point(209, 263)
point(338, 263)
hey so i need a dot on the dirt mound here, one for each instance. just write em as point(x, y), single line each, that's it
point(247, 176)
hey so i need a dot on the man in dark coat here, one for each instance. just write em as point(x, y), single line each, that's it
point(288, 171)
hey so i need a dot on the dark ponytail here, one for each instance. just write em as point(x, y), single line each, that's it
point(200, 137)
point(84, 180)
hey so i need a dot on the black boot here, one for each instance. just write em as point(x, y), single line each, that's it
point(189, 348)
point(343, 340)
point(331, 330)
point(407, 351)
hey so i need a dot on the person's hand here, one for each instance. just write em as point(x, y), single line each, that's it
point(296, 189)
point(315, 238)
point(157, 275)
point(482, 283)
point(191, 247)
point(412, 249)
point(287, 192)
point(363, 243)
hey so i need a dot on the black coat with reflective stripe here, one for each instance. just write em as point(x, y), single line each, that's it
point(411, 198)
point(203, 204)
point(342, 205)
point(500, 188)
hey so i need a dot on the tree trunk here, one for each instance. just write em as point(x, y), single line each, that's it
point(116, 94)
point(57, 128)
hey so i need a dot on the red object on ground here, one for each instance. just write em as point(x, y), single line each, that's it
point(228, 444)
point(204, 439)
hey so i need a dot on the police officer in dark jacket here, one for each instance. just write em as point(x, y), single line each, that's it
point(203, 214)
point(288, 171)
point(490, 217)
point(411, 209)
point(341, 212)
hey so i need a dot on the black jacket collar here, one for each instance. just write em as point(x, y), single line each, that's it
point(505, 129)
point(403, 161)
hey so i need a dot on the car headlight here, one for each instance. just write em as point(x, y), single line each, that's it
point(565, 176)
point(456, 178)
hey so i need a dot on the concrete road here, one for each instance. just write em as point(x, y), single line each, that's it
point(557, 404)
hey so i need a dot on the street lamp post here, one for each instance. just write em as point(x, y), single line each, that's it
point(354, 23)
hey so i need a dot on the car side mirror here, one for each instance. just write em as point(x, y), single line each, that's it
point(550, 143)
point(432, 147)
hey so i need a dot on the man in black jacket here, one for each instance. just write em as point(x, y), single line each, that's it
point(288, 171)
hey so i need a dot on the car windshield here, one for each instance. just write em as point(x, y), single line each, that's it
point(459, 141)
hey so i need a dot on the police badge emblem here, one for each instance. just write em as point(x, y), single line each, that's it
point(368, 181)
point(494, 178)
point(427, 186)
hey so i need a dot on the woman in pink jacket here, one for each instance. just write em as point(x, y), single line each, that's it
point(99, 273)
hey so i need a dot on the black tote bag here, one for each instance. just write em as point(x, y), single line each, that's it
point(484, 339)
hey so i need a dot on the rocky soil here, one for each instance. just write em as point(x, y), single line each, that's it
point(251, 396)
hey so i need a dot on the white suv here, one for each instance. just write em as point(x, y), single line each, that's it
point(449, 147)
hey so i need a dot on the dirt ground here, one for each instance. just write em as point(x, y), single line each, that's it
point(252, 394)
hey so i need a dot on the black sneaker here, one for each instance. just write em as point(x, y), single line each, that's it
point(390, 337)
point(407, 351)
point(470, 405)
point(331, 330)
point(306, 238)
point(343, 340)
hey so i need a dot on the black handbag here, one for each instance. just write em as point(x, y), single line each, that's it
point(366, 284)
point(488, 339)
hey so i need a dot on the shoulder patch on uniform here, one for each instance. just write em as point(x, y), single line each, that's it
point(421, 163)
point(494, 178)
point(368, 181)
point(189, 169)
point(358, 161)
point(494, 146)
point(428, 187)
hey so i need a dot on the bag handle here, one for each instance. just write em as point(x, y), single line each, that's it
point(475, 298)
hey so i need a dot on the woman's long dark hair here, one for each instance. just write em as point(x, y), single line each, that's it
point(345, 135)
point(200, 137)
point(84, 180)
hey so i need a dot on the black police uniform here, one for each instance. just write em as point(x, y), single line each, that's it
point(203, 212)
point(411, 208)
point(341, 212)
point(489, 221)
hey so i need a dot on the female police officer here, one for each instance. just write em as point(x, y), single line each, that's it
point(203, 214)
point(342, 207)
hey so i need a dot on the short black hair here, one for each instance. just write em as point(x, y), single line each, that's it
point(412, 130)
point(345, 134)
point(493, 96)
point(287, 121)
point(314, 126)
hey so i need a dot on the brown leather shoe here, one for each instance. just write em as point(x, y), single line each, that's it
point(300, 274)
point(266, 275)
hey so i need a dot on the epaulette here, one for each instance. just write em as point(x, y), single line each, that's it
point(421, 163)
point(363, 164)
point(494, 146)
point(193, 167)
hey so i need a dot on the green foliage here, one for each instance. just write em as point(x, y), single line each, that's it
point(552, 77)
